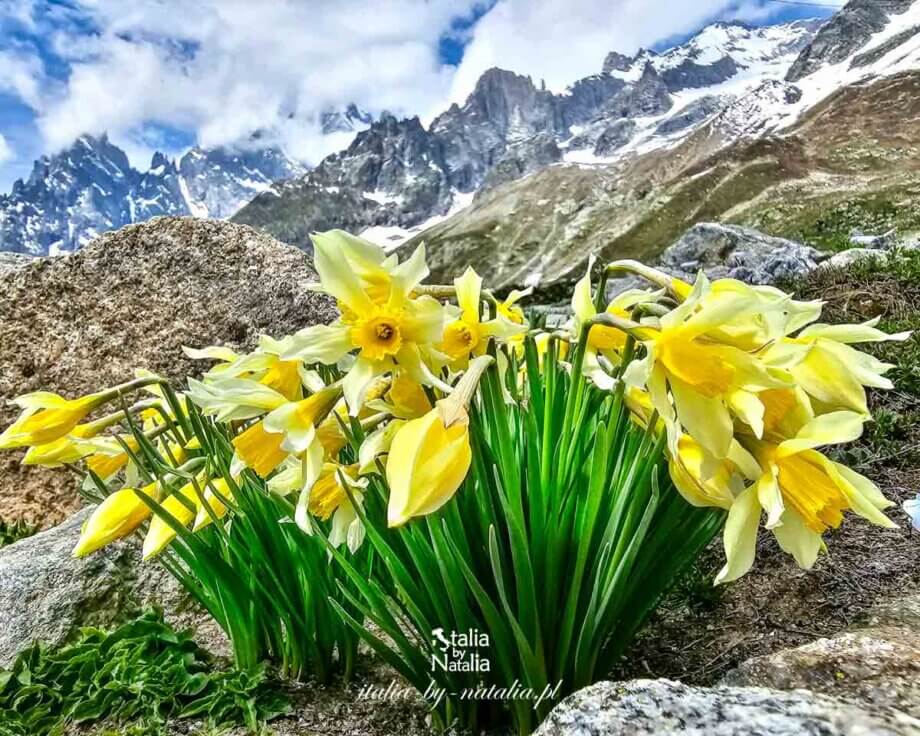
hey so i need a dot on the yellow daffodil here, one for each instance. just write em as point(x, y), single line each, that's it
point(605, 344)
point(384, 334)
point(430, 456)
point(228, 399)
point(47, 417)
point(183, 505)
point(214, 502)
point(710, 382)
point(329, 500)
point(289, 429)
point(822, 361)
point(803, 494)
point(468, 335)
point(63, 451)
point(705, 481)
point(115, 518)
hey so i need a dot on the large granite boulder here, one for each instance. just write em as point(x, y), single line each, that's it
point(732, 251)
point(663, 707)
point(876, 665)
point(46, 594)
point(133, 298)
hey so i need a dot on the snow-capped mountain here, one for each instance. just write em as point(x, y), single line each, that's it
point(398, 177)
point(804, 140)
point(89, 188)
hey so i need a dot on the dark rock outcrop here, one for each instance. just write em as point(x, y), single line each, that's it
point(691, 115)
point(845, 34)
point(614, 137)
point(523, 158)
point(690, 75)
point(731, 251)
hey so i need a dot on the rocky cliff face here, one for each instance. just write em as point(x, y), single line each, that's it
point(845, 34)
point(91, 188)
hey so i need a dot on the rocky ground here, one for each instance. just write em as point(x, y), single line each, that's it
point(132, 299)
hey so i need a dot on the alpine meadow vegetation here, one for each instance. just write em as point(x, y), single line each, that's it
point(494, 506)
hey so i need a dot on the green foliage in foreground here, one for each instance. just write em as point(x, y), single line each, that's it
point(141, 673)
point(13, 531)
point(566, 534)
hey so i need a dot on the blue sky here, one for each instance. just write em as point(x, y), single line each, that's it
point(165, 74)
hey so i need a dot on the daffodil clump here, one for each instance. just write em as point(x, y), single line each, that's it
point(433, 462)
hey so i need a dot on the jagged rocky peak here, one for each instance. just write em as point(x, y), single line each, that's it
point(649, 96)
point(845, 34)
point(218, 181)
point(350, 119)
point(512, 103)
point(617, 62)
point(91, 187)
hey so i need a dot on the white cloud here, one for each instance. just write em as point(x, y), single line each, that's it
point(21, 74)
point(233, 66)
point(562, 42)
point(6, 153)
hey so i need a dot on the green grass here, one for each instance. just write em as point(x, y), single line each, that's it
point(13, 531)
point(138, 677)
point(890, 291)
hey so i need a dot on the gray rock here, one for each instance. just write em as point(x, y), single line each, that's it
point(11, 261)
point(876, 665)
point(691, 115)
point(614, 137)
point(46, 594)
point(522, 158)
point(731, 251)
point(661, 707)
point(885, 241)
point(617, 62)
point(133, 298)
point(846, 33)
point(848, 257)
point(874, 54)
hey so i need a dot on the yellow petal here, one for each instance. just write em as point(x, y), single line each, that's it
point(796, 539)
point(740, 536)
point(469, 289)
point(160, 533)
point(116, 517)
point(427, 465)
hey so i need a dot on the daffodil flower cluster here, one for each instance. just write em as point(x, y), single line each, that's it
point(747, 385)
point(743, 381)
